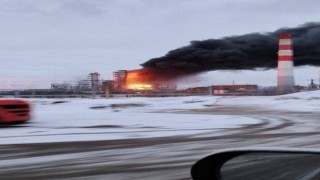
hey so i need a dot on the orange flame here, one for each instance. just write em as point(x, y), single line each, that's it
point(150, 79)
point(140, 80)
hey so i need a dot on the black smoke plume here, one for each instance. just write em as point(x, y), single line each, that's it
point(246, 52)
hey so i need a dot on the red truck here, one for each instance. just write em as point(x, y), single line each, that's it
point(13, 110)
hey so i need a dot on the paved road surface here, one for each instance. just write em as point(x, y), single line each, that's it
point(157, 158)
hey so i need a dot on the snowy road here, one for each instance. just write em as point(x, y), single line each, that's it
point(158, 157)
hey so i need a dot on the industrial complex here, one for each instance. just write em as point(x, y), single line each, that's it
point(154, 82)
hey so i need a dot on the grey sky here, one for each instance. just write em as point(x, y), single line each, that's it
point(54, 40)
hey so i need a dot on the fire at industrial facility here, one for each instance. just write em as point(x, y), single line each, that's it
point(146, 79)
point(160, 79)
point(161, 76)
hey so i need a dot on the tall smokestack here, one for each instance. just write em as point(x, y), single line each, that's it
point(285, 64)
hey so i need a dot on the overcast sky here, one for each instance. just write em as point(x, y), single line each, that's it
point(43, 41)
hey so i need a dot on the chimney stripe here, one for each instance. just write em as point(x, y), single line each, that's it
point(285, 47)
point(285, 42)
point(285, 65)
point(285, 58)
point(285, 53)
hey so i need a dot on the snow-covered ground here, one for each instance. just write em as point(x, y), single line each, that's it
point(300, 102)
point(58, 120)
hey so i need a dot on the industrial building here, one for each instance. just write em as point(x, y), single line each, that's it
point(119, 80)
point(235, 89)
point(92, 82)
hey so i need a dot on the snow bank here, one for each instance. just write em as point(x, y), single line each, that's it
point(56, 120)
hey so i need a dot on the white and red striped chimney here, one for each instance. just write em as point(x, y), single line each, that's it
point(285, 64)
